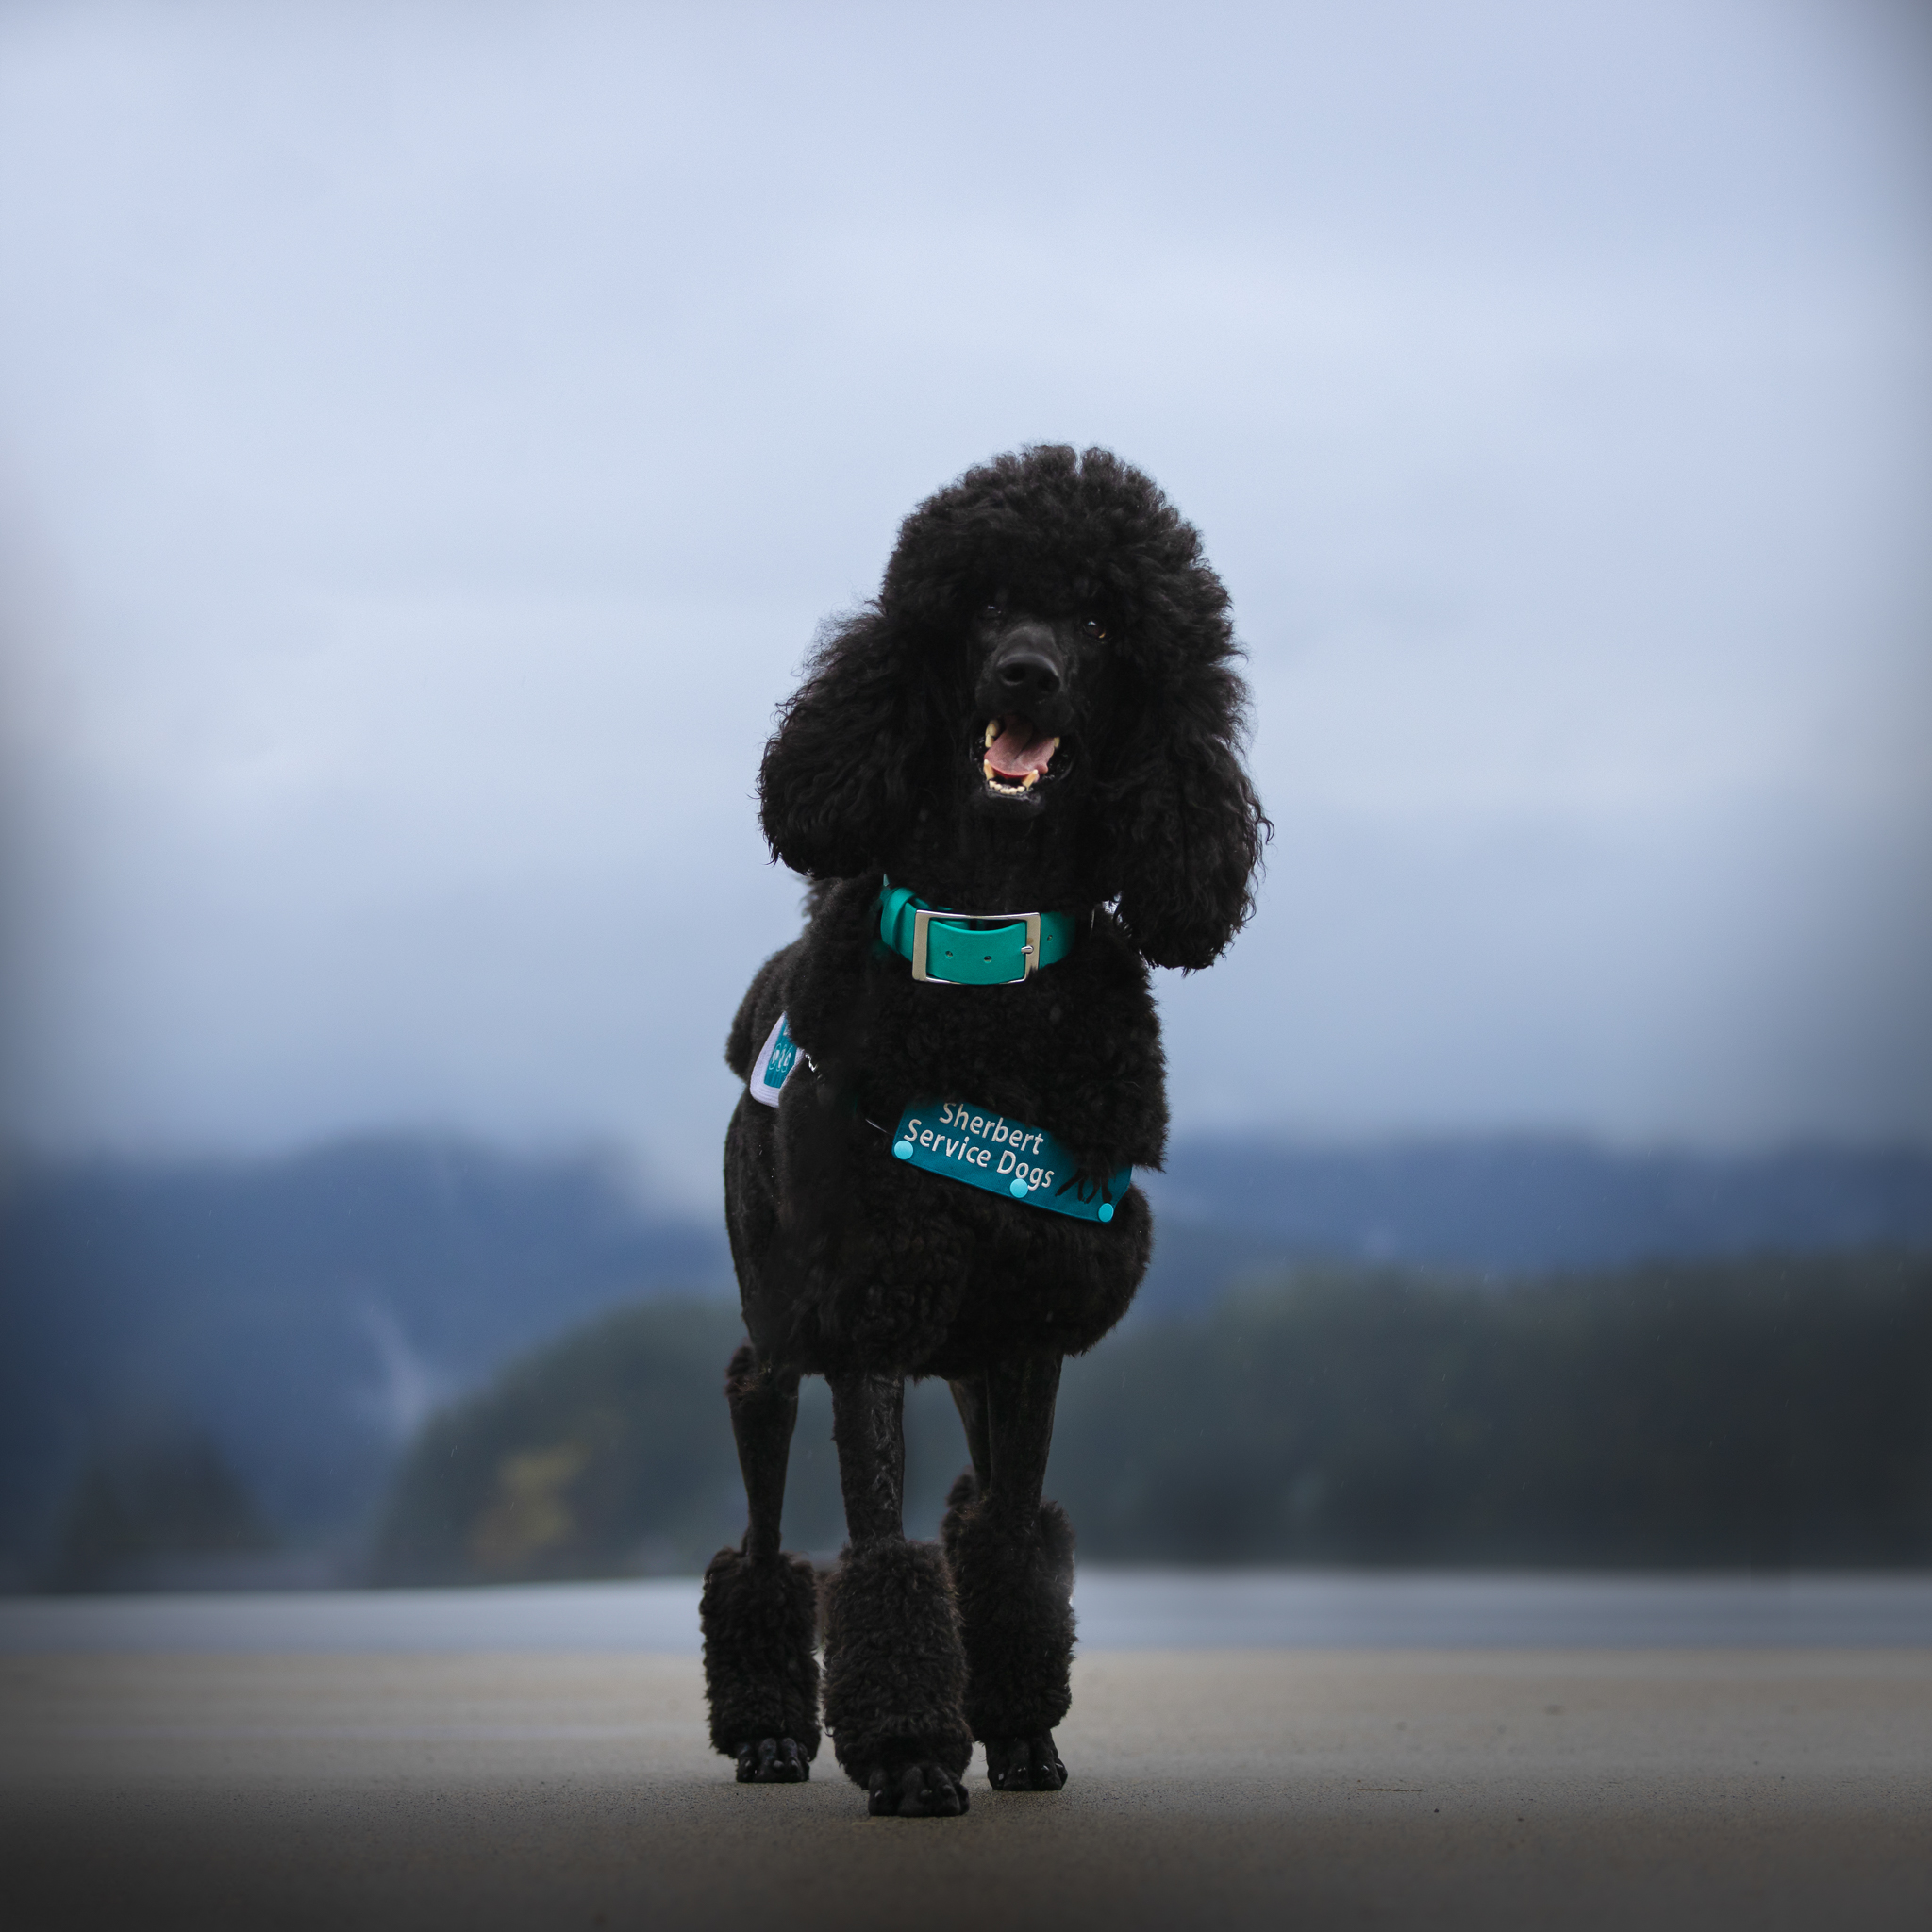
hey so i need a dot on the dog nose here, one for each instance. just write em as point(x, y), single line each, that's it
point(1028, 675)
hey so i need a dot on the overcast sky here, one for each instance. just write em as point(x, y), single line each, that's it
point(429, 436)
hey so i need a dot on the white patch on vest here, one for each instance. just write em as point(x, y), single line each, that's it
point(774, 1065)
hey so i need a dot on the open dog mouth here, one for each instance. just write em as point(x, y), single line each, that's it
point(1016, 755)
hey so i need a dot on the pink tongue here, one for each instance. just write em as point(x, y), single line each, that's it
point(1019, 749)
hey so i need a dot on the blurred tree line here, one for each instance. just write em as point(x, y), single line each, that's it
point(1757, 1414)
point(156, 1507)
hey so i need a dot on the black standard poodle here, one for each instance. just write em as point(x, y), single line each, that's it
point(1015, 783)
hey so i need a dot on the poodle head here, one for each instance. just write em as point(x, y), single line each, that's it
point(1045, 699)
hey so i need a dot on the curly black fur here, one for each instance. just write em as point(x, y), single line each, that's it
point(895, 1672)
point(1016, 1612)
point(760, 1625)
point(1143, 826)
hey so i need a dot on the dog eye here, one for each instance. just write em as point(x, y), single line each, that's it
point(1094, 628)
point(991, 610)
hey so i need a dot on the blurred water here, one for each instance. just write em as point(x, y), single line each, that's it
point(1125, 1609)
point(1118, 1609)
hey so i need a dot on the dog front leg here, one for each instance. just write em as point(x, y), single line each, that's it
point(1011, 1556)
point(895, 1672)
point(759, 1608)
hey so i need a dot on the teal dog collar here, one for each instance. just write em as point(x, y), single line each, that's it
point(987, 1150)
point(971, 948)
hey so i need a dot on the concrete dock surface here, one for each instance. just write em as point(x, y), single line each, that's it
point(1575, 1788)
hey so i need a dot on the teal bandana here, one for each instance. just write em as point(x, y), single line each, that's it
point(1004, 1156)
point(984, 1150)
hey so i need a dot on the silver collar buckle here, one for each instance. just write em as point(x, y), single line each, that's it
point(1029, 953)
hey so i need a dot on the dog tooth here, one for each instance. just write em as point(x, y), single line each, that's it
point(992, 731)
point(1029, 781)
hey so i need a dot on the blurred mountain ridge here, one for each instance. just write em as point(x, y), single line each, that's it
point(308, 1313)
point(1525, 1203)
point(305, 1312)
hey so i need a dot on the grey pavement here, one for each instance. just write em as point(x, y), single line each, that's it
point(1758, 1788)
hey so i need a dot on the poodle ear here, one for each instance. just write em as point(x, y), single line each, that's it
point(836, 786)
point(1191, 828)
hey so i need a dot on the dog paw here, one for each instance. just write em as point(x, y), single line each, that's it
point(772, 1761)
point(924, 1789)
point(1024, 1765)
